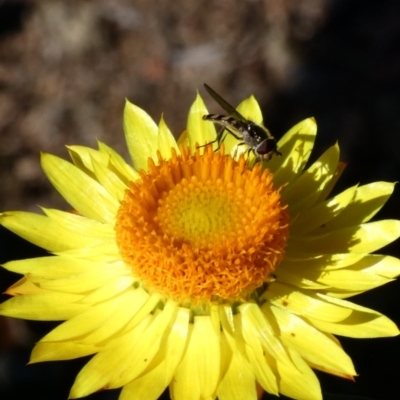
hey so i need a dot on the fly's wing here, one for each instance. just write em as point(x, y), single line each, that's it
point(224, 104)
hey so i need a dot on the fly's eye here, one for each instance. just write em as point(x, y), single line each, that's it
point(266, 147)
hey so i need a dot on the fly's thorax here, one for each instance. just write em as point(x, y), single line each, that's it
point(253, 134)
point(260, 133)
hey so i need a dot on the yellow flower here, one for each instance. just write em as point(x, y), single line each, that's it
point(199, 271)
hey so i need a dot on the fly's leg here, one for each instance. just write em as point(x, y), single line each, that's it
point(217, 140)
point(221, 135)
point(234, 135)
point(248, 151)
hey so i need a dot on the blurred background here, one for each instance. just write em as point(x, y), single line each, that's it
point(67, 66)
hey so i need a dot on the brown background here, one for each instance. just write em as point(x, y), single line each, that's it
point(66, 67)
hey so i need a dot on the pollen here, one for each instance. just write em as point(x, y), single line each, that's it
point(202, 227)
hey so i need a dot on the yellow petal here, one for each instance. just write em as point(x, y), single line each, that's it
point(386, 266)
point(52, 267)
point(214, 311)
point(305, 191)
point(127, 357)
point(146, 348)
point(149, 386)
point(362, 323)
point(85, 282)
point(243, 340)
point(152, 302)
point(365, 326)
point(109, 180)
point(254, 322)
point(106, 251)
point(364, 238)
point(355, 274)
point(43, 231)
point(176, 342)
point(130, 303)
point(96, 317)
point(187, 385)
point(264, 371)
point(83, 156)
point(227, 318)
point(200, 132)
point(166, 140)
point(47, 267)
point(295, 146)
point(321, 262)
point(24, 286)
point(55, 351)
point(98, 372)
point(300, 280)
point(154, 381)
point(371, 271)
point(43, 306)
point(319, 215)
point(198, 374)
point(250, 109)
point(341, 294)
point(301, 383)
point(238, 382)
point(305, 304)
point(226, 350)
point(83, 193)
point(352, 280)
point(141, 134)
point(368, 200)
point(332, 182)
point(91, 231)
point(311, 344)
point(183, 139)
point(111, 289)
point(118, 165)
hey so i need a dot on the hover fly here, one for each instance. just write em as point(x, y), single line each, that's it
point(256, 137)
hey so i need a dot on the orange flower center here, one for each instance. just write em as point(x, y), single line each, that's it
point(202, 227)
